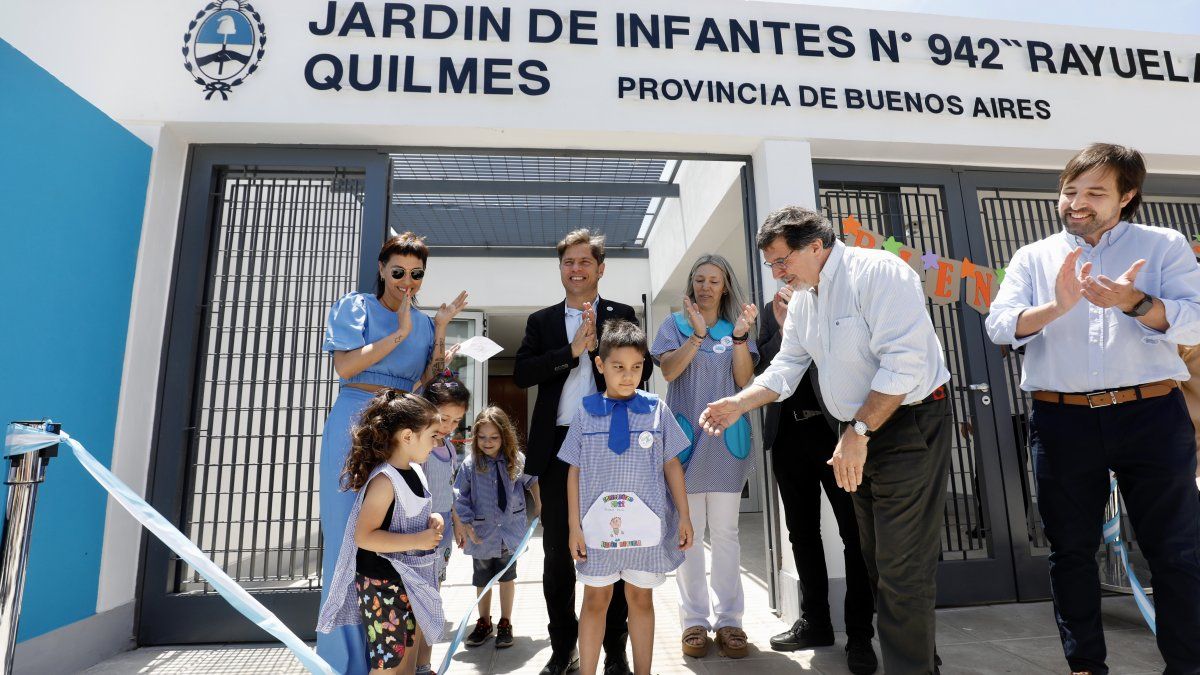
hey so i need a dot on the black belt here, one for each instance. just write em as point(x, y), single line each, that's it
point(937, 395)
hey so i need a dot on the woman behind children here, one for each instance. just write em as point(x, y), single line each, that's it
point(378, 340)
point(451, 398)
point(386, 573)
point(706, 351)
point(491, 489)
point(627, 504)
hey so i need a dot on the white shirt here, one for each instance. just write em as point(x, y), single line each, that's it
point(1090, 348)
point(867, 329)
point(580, 382)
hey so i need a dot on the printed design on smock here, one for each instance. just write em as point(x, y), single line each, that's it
point(620, 520)
point(628, 518)
point(224, 44)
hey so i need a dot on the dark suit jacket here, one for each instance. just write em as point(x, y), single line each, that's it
point(544, 359)
point(807, 396)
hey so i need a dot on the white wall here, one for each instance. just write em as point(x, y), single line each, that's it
point(139, 385)
point(783, 176)
point(140, 78)
point(708, 209)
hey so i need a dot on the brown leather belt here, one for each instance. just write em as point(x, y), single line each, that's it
point(1101, 399)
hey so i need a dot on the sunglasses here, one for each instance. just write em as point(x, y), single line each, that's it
point(417, 273)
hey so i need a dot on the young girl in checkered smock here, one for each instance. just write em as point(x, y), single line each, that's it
point(451, 397)
point(491, 489)
point(386, 574)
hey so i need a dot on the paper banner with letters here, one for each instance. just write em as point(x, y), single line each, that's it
point(942, 278)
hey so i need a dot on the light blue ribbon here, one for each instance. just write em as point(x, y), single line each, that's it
point(1112, 535)
point(21, 439)
point(462, 624)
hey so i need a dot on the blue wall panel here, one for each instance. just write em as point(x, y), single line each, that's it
point(72, 190)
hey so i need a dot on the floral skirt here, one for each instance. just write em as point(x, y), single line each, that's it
point(387, 620)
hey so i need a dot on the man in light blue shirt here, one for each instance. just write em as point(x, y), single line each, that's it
point(1100, 309)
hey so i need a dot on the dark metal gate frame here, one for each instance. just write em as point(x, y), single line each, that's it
point(163, 617)
point(1014, 572)
point(959, 581)
point(1030, 571)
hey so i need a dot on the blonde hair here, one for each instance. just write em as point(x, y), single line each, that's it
point(509, 446)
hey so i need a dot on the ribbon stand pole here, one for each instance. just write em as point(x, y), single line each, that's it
point(25, 472)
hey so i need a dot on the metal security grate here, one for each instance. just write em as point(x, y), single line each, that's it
point(519, 220)
point(286, 246)
point(524, 201)
point(916, 215)
point(526, 168)
point(1013, 219)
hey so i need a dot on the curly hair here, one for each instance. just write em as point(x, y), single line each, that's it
point(447, 389)
point(509, 447)
point(373, 436)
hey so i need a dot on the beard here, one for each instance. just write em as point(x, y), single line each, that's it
point(1086, 228)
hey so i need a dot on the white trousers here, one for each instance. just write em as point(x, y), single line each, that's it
point(719, 512)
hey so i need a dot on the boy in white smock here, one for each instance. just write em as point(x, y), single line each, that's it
point(628, 508)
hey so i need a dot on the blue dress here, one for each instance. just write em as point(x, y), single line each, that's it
point(714, 463)
point(356, 320)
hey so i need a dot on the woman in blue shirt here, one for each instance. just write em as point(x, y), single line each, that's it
point(377, 340)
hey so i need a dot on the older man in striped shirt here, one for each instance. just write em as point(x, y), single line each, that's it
point(882, 373)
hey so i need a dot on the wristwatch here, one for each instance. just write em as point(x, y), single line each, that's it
point(1142, 308)
point(860, 427)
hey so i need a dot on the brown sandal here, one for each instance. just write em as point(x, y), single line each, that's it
point(732, 642)
point(696, 642)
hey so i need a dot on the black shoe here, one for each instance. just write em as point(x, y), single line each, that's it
point(616, 665)
point(802, 635)
point(504, 634)
point(860, 656)
point(483, 631)
point(559, 665)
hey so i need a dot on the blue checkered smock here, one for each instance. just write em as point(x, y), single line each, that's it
point(711, 468)
point(478, 505)
point(637, 470)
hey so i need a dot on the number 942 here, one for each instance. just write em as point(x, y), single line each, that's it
point(944, 51)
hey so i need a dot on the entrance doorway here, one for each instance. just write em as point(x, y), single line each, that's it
point(993, 547)
point(270, 238)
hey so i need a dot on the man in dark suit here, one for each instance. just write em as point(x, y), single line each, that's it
point(557, 356)
point(800, 471)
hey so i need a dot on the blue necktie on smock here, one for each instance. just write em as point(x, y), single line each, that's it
point(618, 427)
point(617, 411)
point(501, 493)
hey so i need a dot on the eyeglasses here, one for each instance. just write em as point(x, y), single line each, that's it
point(779, 264)
point(417, 273)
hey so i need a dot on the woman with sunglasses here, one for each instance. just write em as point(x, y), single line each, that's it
point(377, 340)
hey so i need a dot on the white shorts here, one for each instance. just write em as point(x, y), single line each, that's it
point(639, 579)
